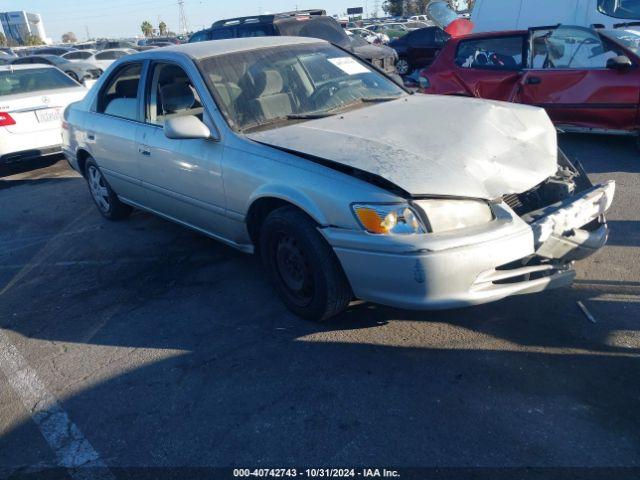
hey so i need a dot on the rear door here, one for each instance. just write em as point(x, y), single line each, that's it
point(112, 127)
point(490, 67)
point(568, 76)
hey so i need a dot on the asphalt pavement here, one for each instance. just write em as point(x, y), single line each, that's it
point(153, 346)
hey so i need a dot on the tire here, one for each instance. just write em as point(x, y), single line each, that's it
point(403, 67)
point(73, 75)
point(302, 266)
point(103, 196)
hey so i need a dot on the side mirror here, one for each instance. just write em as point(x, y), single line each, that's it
point(186, 127)
point(621, 62)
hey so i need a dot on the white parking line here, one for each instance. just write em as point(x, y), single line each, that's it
point(73, 451)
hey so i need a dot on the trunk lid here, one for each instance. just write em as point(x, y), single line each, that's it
point(36, 111)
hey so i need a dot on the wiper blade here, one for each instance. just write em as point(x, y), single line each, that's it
point(379, 99)
point(310, 115)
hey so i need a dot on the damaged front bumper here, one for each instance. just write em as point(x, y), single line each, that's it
point(510, 256)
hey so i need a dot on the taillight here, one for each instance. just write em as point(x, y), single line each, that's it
point(6, 120)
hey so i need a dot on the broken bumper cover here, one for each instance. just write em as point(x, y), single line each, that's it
point(510, 257)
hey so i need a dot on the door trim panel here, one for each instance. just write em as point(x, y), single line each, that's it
point(184, 198)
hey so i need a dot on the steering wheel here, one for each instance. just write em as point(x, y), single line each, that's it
point(326, 91)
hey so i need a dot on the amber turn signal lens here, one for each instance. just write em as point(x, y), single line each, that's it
point(371, 220)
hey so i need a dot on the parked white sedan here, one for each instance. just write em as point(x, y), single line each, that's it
point(32, 98)
point(79, 55)
point(105, 58)
point(369, 36)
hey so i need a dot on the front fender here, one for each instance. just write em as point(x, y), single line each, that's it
point(290, 195)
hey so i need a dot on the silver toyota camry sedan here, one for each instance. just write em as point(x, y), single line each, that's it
point(346, 185)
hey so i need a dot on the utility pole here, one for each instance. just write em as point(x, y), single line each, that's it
point(183, 27)
point(87, 30)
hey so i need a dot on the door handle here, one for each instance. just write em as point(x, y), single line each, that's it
point(91, 136)
point(145, 151)
point(534, 81)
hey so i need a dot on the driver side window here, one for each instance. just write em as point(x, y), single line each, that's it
point(171, 94)
point(569, 48)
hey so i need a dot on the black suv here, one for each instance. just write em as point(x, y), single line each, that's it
point(418, 48)
point(305, 23)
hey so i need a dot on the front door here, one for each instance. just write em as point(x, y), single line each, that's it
point(568, 76)
point(183, 178)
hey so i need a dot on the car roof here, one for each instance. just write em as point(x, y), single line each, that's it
point(32, 66)
point(42, 55)
point(198, 50)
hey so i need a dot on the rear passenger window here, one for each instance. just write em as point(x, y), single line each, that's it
point(222, 34)
point(120, 96)
point(502, 53)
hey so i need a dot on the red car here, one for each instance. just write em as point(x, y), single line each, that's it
point(588, 80)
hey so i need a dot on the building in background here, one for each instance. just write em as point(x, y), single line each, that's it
point(18, 26)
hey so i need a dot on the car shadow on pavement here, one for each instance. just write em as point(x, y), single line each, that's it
point(169, 349)
point(624, 233)
point(181, 355)
point(27, 166)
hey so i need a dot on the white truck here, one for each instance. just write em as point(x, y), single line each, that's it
point(501, 15)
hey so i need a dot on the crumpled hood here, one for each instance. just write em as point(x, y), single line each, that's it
point(434, 145)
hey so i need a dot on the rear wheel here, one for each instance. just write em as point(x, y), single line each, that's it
point(73, 75)
point(402, 66)
point(103, 196)
point(302, 266)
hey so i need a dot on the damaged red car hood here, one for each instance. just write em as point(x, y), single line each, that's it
point(433, 145)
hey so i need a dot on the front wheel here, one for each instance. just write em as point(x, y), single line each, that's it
point(403, 67)
point(302, 266)
point(103, 196)
point(73, 75)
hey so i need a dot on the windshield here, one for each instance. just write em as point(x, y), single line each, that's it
point(33, 80)
point(269, 87)
point(627, 9)
point(627, 38)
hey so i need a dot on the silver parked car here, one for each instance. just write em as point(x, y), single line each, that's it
point(347, 185)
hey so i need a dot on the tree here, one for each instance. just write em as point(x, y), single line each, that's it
point(69, 37)
point(163, 28)
point(3, 40)
point(33, 41)
point(147, 28)
point(395, 8)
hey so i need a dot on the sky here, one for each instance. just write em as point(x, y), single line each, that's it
point(122, 18)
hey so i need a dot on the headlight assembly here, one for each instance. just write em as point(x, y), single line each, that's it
point(448, 215)
point(388, 219)
point(422, 216)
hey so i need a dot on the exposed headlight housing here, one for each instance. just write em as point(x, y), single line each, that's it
point(448, 215)
point(383, 219)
